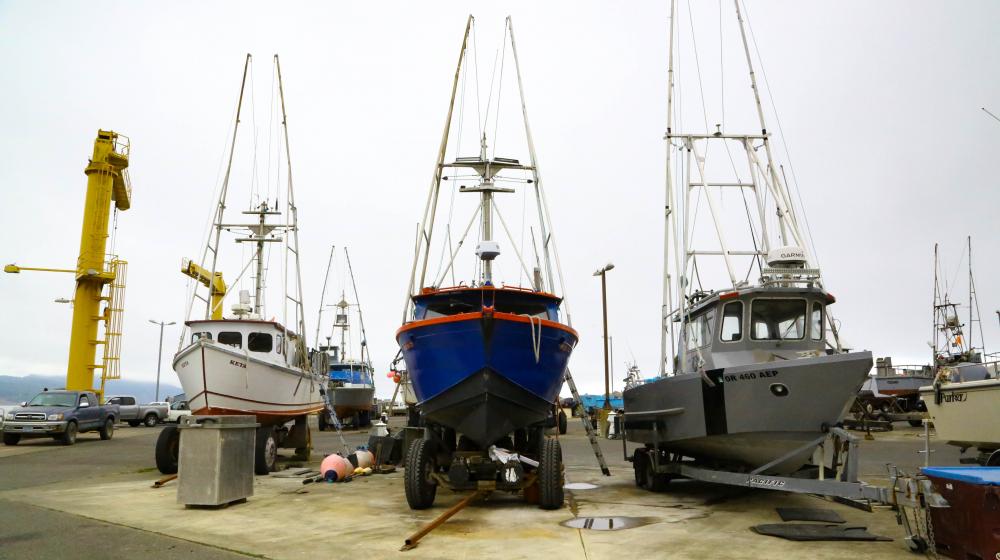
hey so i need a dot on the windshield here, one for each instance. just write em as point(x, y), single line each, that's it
point(54, 399)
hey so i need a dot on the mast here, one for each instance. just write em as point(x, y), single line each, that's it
point(361, 316)
point(213, 244)
point(322, 295)
point(666, 326)
point(294, 227)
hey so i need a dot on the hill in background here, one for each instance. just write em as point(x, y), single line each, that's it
point(15, 389)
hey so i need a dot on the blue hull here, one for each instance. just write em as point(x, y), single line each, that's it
point(480, 375)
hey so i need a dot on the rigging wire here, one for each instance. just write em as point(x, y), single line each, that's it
point(781, 133)
point(475, 60)
point(496, 118)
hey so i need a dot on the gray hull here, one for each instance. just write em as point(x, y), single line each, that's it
point(348, 400)
point(752, 415)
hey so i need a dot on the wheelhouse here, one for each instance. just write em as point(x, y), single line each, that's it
point(264, 340)
point(724, 329)
point(434, 303)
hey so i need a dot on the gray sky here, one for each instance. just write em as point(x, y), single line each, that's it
point(879, 104)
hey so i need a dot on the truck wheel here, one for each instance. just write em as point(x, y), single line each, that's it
point(151, 420)
point(69, 436)
point(134, 423)
point(168, 446)
point(265, 451)
point(420, 486)
point(550, 479)
point(11, 439)
point(563, 423)
point(108, 431)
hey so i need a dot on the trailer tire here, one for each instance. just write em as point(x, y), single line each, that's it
point(639, 468)
point(11, 439)
point(420, 486)
point(550, 478)
point(108, 431)
point(563, 423)
point(654, 482)
point(151, 420)
point(265, 450)
point(168, 445)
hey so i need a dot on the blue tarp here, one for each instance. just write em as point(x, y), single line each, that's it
point(987, 476)
point(597, 401)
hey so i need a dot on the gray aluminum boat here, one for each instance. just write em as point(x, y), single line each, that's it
point(759, 372)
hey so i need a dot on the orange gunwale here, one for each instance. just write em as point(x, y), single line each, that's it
point(475, 315)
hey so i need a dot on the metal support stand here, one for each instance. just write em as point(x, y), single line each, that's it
point(586, 424)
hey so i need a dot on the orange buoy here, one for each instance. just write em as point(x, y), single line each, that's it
point(365, 458)
point(334, 468)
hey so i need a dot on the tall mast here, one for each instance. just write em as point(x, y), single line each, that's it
point(361, 316)
point(666, 326)
point(430, 208)
point(322, 295)
point(293, 214)
point(213, 244)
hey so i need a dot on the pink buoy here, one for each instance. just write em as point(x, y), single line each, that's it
point(334, 468)
point(365, 458)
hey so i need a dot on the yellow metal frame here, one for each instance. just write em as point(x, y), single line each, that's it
point(215, 284)
point(107, 182)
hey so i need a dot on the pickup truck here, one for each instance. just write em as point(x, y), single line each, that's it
point(178, 410)
point(60, 415)
point(134, 413)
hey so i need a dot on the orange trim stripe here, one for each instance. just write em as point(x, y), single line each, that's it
point(477, 315)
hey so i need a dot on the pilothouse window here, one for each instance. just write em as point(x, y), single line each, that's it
point(260, 342)
point(200, 335)
point(732, 322)
point(816, 322)
point(231, 339)
point(699, 331)
point(778, 319)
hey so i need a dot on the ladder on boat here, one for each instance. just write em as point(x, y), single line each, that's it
point(591, 435)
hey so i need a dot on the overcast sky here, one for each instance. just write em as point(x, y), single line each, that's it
point(879, 105)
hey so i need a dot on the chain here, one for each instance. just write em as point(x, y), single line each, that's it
point(931, 546)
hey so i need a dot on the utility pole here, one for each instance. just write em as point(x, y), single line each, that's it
point(159, 355)
point(604, 305)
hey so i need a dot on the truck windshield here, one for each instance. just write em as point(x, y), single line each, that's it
point(53, 399)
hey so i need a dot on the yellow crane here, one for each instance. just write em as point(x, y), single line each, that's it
point(107, 183)
point(214, 283)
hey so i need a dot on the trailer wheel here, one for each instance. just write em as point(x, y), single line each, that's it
point(108, 430)
point(550, 478)
point(993, 460)
point(654, 482)
point(639, 468)
point(563, 423)
point(265, 451)
point(420, 486)
point(168, 446)
point(916, 423)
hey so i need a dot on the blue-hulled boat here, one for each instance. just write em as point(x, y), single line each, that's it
point(486, 360)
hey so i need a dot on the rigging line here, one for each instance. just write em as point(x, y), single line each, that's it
point(781, 133)
point(496, 118)
point(722, 74)
point(697, 63)
point(254, 185)
point(475, 61)
point(489, 96)
point(270, 130)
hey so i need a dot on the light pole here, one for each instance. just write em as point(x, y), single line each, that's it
point(604, 305)
point(159, 355)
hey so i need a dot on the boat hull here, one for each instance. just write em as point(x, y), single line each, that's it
point(220, 380)
point(743, 419)
point(486, 375)
point(966, 414)
point(350, 400)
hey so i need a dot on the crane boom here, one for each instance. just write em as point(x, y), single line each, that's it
point(214, 282)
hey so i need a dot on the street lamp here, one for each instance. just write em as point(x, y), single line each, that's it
point(159, 355)
point(604, 304)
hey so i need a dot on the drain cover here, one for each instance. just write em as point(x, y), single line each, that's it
point(608, 523)
point(580, 486)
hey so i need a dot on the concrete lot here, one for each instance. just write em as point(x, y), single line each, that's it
point(95, 499)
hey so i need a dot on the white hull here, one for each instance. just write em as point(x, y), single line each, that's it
point(968, 414)
point(223, 380)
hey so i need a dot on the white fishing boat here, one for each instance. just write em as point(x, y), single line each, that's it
point(244, 364)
